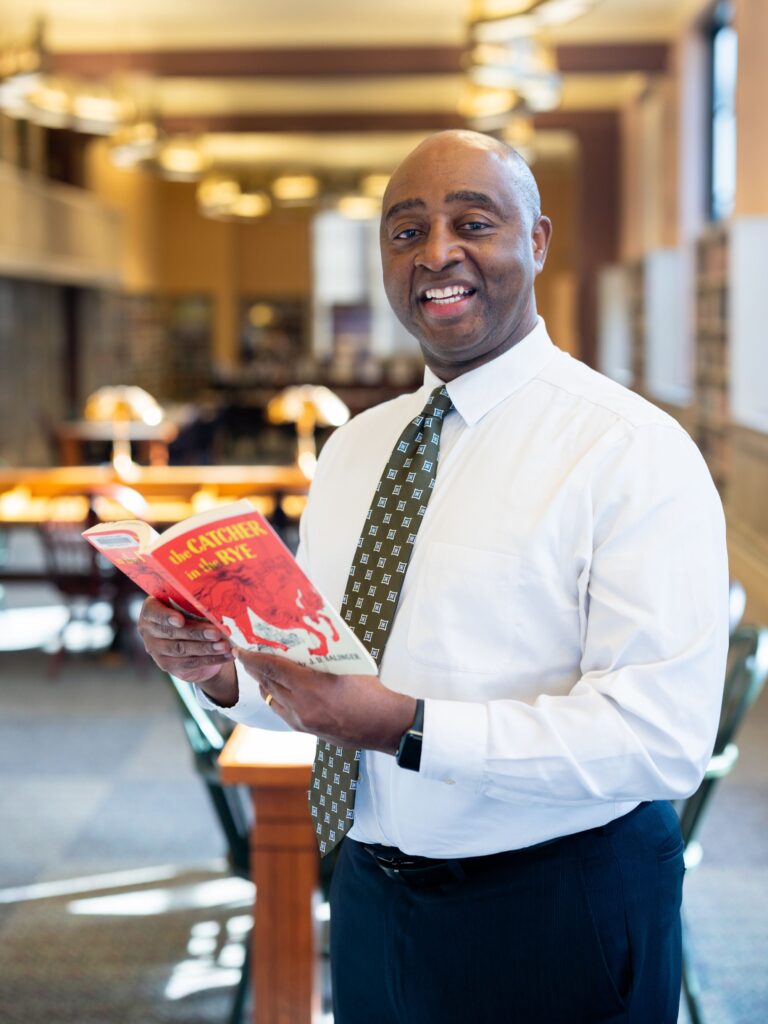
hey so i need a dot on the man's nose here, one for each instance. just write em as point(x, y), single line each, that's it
point(439, 249)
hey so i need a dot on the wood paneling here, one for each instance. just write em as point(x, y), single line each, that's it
point(337, 61)
point(612, 58)
point(297, 121)
point(274, 62)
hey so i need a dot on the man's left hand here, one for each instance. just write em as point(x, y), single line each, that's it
point(349, 710)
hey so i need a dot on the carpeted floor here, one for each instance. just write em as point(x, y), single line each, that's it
point(115, 905)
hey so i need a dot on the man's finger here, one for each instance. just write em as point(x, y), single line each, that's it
point(277, 671)
point(183, 647)
point(174, 627)
point(177, 665)
point(159, 614)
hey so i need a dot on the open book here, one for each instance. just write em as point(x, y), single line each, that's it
point(229, 566)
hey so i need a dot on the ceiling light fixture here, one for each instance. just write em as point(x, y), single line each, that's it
point(182, 158)
point(356, 207)
point(518, 132)
point(222, 197)
point(374, 185)
point(504, 54)
point(99, 109)
point(133, 145)
point(499, 22)
point(295, 189)
point(523, 65)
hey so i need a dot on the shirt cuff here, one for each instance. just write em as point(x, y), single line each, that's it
point(454, 743)
point(250, 708)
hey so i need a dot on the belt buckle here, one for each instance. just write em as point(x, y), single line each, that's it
point(409, 871)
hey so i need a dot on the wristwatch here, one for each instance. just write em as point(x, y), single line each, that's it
point(409, 752)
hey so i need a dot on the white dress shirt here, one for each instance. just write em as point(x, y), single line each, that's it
point(564, 614)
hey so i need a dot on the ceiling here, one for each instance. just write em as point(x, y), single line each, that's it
point(349, 82)
point(127, 24)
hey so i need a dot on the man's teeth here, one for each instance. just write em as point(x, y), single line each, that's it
point(446, 295)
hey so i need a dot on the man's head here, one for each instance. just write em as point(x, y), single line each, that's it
point(462, 240)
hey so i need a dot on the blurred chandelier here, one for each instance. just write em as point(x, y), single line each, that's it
point(508, 69)
point(28, 91)
point(494, 21)
point(224, 197)
point(91, 107)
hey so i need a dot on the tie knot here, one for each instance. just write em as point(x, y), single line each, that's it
point(439, 402)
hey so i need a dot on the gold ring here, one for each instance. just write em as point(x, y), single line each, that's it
point(269, 698)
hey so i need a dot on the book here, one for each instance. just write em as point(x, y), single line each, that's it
point(229, 566)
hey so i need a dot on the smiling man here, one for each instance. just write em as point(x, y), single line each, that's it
point(535, 557)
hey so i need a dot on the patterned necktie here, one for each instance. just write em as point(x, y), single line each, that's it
point(372, 592)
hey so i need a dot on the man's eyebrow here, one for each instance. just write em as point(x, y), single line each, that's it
point(405, 204)
point(476, 199)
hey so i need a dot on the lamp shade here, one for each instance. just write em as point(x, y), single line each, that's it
point(122, 402)
point(307, 401)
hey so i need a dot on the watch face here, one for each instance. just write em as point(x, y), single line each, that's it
point(409, 755)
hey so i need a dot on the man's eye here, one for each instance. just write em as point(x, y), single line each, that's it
point(474, 225)
point(406, 234)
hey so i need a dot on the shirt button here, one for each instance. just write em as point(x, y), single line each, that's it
point(450, 782)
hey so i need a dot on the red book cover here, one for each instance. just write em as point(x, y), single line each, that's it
point(229, 566)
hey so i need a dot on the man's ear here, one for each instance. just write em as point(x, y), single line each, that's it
point(540, 238)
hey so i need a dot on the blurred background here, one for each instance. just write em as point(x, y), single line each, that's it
point(191, 301)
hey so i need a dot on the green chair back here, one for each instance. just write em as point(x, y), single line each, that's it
point(745, 675)
point(230, 803)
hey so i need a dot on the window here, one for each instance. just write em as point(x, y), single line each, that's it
point(722, 162)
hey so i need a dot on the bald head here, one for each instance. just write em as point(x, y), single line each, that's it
point(449, 142)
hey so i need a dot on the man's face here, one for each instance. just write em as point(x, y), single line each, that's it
point(460, 253)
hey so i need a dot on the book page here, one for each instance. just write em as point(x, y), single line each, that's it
point(126, 545)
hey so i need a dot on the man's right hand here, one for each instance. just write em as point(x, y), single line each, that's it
point(195, 651)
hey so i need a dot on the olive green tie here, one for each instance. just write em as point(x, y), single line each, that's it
point(372, 592)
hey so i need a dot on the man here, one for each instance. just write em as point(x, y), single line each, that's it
point(559, 643)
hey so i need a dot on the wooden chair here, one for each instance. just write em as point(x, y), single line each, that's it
point(84, 578)
point(746, 672)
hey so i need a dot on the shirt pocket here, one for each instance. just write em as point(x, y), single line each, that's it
point(463, 619)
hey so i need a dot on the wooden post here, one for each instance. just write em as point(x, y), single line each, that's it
point(284, 867)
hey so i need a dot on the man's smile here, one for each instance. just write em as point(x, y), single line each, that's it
point(448, 300)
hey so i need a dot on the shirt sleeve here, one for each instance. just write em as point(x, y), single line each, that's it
point(250, 708)
point(640, 721)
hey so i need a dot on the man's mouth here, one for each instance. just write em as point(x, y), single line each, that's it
point(449, 300)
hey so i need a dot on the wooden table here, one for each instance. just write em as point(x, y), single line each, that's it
point(171, 493)
point(284, 865)
point(150, 441)
point(183, 481)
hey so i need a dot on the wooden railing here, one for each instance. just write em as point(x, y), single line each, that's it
point(56, 232)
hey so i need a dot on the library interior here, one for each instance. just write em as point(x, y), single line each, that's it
point(192, 303)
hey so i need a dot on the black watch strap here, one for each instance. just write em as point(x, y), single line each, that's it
point(409, 752)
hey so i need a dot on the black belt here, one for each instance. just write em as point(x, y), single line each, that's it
point(414, 870)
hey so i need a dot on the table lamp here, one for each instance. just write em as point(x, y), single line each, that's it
point(121, 404)
point(308, 406)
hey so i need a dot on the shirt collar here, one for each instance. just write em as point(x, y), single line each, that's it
point(478, 391)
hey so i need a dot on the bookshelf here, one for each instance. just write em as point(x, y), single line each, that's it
point(636, 303)
point(711, 360)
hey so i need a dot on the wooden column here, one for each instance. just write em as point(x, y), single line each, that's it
point(751, 92)
point(597, 230)
point(284, 868)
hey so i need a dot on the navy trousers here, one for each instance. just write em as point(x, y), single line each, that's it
point(585, 930)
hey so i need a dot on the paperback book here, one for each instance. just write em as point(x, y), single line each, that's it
point(229, 566)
